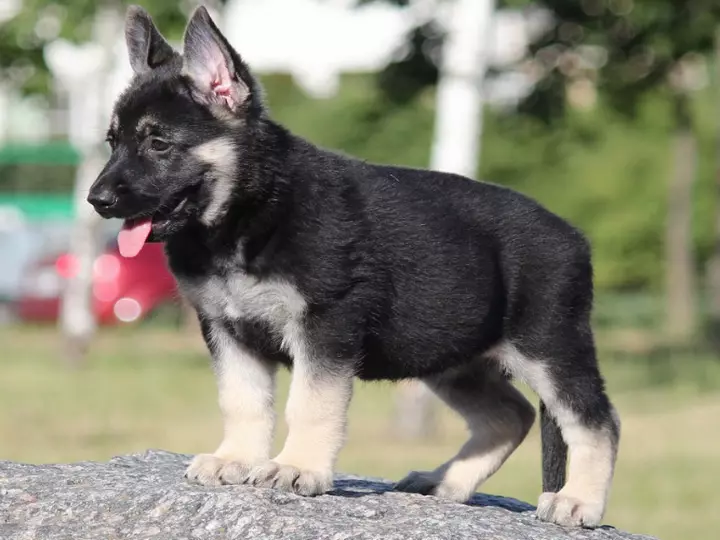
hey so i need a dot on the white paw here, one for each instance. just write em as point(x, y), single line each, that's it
point(235, 472)
point(431, 483)
point(290, 478)
point(205, 469)
point(569, 511)
point(211, 470)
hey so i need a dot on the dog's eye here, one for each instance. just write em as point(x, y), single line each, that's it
point(158, 145)
point(112, 142)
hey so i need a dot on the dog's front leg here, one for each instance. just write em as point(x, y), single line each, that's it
point(316, 415)
point(246, 387)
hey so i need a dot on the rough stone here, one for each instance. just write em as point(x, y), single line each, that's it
point(145, 497)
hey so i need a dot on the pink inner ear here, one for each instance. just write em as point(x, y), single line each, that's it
point(223, 91)
point(221, 86)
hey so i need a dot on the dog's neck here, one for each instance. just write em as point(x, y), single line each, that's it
point(254, 219)
point(250, 221)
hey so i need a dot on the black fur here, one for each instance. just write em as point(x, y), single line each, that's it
point(554, 453)
point(406, 272)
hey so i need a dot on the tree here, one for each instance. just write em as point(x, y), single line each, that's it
point(639, 47)
point(38, 22)
point(713, 266)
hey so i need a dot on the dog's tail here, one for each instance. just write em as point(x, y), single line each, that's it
point(554, 452)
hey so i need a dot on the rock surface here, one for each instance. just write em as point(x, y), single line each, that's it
point(145, 497)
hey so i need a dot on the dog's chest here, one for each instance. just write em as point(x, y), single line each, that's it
point(238, 296)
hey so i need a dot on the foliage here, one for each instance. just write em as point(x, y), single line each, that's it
point(636, 44)
point(38, 22)
point(628, 47)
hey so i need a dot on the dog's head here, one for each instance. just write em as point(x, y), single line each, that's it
point(176, 133)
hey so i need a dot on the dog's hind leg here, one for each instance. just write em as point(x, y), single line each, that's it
point(569, 384)
point(246, 385)
point(549, 344)
point(498, 417)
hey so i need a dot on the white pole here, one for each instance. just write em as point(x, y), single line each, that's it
point(459, 101)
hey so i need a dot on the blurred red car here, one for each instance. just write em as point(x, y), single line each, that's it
point(124, 290)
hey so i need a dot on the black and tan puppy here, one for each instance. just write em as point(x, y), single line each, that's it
point(297, 256)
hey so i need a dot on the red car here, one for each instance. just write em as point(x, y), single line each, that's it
point(124, 290)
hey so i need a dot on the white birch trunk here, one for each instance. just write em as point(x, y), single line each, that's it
point(459, 101)
point(77, 319)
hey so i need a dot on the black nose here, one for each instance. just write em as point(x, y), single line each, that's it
point(102, 198)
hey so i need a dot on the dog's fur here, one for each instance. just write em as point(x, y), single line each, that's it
point(340, 268)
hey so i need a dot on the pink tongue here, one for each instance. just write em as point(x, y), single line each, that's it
point(132, 238)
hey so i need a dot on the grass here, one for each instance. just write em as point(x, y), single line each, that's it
point(152, 388)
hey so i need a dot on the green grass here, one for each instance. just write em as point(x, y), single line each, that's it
point(152, 388)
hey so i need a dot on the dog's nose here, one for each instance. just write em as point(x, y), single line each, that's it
point(102, 198)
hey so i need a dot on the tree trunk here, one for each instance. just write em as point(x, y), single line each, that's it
point(459, 101)
point(456, 141)
point(415, 414)
point(88, 118)
point(713, 268)
point(681, 317)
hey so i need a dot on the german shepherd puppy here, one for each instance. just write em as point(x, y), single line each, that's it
point(294, 255)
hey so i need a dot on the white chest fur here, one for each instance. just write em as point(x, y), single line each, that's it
point(239, 296)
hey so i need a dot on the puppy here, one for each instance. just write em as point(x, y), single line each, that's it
point(338, 268)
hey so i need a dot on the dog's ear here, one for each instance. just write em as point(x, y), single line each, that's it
point(147, 47)
point(212, 65)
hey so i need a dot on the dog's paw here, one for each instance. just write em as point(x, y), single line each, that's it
point(211, 470)
point(432, 483)
point(422, 482)
point(235, 472)
point(569, 511)
point(205, 469)
point(290, 478)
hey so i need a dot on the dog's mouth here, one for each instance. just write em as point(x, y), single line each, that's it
point(136, 231)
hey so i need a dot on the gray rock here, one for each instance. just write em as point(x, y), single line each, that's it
point(145, 497)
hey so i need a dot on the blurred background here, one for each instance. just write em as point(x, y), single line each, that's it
point(606, 111)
